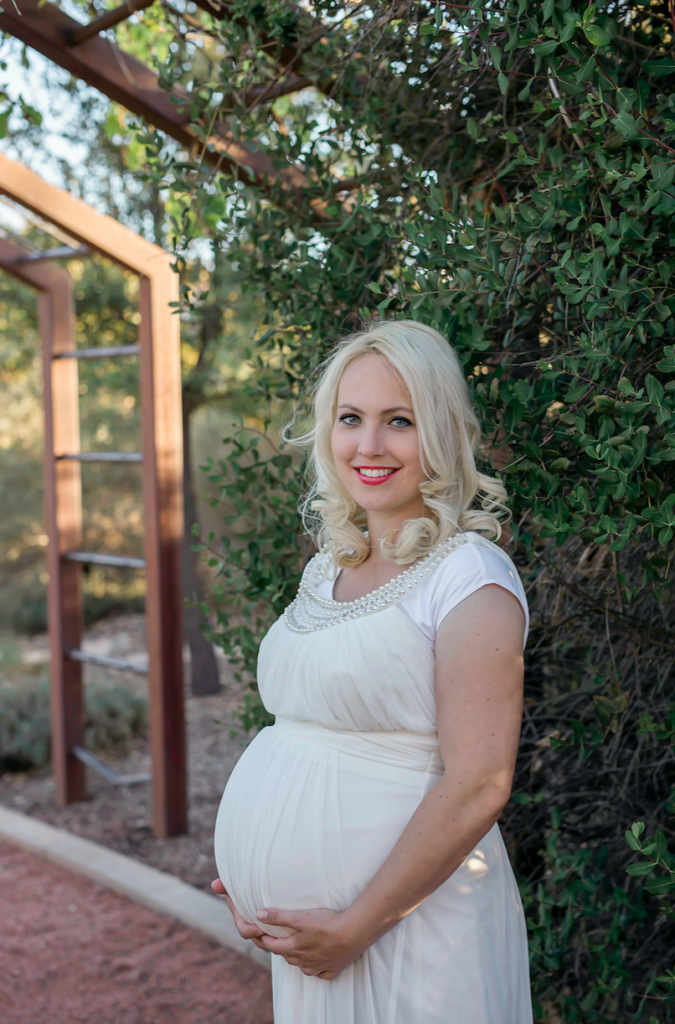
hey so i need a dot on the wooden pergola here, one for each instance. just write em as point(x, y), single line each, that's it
point(161, 457)
point(90, 56)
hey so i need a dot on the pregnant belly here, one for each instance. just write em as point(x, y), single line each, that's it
point(305, 824)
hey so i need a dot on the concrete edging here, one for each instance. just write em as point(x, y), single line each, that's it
point(131, 878)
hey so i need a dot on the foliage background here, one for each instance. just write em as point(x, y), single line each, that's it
point(504, 171)
point(511, 182)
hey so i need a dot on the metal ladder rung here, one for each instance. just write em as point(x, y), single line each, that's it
point(101, 457)
point(95, 353)
point(96, 559)
point(108, 773)
point(100, 659)
point(62, 252)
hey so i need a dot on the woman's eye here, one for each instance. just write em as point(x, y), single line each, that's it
point(349, 418)
point(402, 421)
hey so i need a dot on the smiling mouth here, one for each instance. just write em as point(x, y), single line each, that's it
point(375, 474)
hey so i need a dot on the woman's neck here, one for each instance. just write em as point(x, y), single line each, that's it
point(380, 523)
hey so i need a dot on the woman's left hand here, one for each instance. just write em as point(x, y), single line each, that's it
point(323, 943)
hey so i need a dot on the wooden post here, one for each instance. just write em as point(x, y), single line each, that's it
point(63, 513)
point(160, 385)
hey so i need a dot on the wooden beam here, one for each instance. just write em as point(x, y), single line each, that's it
point(128, 81)
point(107, 20)
point(63, 512)
point(96, 230)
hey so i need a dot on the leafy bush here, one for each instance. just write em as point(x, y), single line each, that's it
point(510, 180)
point(29, 614)
point(115, 716)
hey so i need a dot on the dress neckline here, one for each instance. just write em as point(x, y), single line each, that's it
point(369, 593)
point(310, 611)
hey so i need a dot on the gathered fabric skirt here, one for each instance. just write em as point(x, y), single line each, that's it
point(308, 816)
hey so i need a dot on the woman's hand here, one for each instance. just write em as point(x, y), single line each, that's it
point(246, 930)
point(323, 945)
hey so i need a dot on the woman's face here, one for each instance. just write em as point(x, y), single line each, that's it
point(375, 442)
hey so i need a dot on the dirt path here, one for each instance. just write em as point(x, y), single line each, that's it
point(72, 952)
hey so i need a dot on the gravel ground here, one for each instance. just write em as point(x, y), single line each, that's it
point(73, 952)
point(120, 816)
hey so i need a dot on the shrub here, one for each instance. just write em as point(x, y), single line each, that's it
point(511, 173)
point(115, 717)
point(29, 615)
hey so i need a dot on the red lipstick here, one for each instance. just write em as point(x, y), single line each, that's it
point(372, 480)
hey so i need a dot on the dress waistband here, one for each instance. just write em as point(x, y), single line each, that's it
point(407, 750)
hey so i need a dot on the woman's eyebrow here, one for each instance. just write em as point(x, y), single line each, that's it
point(385, 412)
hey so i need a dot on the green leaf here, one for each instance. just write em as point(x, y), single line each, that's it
point(596, 36)
point(660, 886)
point(546, 48)
point(659, 68)
point(503, 81)
point(663, 175)
point(639, 870)
point(586, 70)
point(661, 845)
point(632, 841)
point(626, 125)
point(472, 128)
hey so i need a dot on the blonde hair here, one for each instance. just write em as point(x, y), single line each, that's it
point(449, 434)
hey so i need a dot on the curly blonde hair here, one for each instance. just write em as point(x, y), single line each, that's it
point(449, 435)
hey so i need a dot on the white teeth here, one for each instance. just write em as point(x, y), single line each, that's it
point(375, 472)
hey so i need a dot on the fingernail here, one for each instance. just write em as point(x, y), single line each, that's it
point(262, 915)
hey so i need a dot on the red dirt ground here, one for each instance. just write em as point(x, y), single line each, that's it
point(72, 952)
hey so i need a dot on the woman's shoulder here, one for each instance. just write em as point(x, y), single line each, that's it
point(320, 567)
point(479, 554)
point(470, 565)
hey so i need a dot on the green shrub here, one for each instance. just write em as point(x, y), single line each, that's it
point(511, 168)
point(29, 616)
point(114, 717)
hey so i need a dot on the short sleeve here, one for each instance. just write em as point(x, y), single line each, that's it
point(475, 564)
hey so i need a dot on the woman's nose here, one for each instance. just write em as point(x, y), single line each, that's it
point(371, 443)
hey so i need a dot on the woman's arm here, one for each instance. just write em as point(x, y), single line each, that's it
point(479, 684)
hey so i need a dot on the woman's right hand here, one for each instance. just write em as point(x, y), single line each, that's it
point(246, 930)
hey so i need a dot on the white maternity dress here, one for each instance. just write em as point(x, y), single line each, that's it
point(318, 800)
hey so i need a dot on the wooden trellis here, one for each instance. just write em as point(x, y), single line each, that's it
point(90, 56)
point(161, 458)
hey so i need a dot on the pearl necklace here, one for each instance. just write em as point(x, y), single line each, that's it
point(309, 612)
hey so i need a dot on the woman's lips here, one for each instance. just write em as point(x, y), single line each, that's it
point(374, 479)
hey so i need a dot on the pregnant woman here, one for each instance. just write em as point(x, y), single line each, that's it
point(357, 838)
